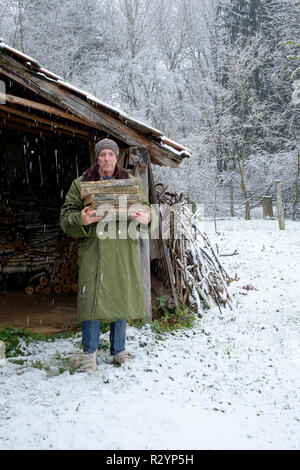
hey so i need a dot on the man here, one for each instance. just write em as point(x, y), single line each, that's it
point(109, 274)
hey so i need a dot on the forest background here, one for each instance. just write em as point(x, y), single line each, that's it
point(214, 75)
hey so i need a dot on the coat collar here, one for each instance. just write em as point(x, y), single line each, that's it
point(92, 173)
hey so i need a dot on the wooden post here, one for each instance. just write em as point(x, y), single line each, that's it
point(2, 352)
point(280, 213)
point(92, 152)
point(138, 156)
point(267, 207)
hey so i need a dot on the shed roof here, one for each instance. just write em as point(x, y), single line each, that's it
point(93, 112)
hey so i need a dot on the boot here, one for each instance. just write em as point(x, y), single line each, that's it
point(89, 363)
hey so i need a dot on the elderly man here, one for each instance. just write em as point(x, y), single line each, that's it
point(109, 274)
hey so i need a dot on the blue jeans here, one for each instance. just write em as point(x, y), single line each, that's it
point(91, 336)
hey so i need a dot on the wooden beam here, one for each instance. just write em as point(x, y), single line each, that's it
point(92, 152)
point(141, 160)
point(24, 129)
point(41, 107)
point(34, 117)
point(20, 124)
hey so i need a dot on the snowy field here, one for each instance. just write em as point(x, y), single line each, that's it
point(232, 382)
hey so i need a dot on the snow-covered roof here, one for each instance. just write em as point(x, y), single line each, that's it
point(170, 148)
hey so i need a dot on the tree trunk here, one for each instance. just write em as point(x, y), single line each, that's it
point(243, 188)
point(296, 200)
point(231, 197)
point(267, 207)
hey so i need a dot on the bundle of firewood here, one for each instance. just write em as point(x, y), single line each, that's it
point(119, 195)
point(199, 277)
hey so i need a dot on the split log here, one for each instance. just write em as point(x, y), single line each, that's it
point(29, 290)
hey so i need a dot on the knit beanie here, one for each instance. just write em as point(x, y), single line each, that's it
point(106, 144)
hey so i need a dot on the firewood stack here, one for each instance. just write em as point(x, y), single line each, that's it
point(199, 277)
point(63, 276)
point(27, 240)
point(31, 242)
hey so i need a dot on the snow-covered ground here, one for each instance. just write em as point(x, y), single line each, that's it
point(231, 382)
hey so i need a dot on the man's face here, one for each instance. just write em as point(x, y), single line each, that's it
point(107, 160)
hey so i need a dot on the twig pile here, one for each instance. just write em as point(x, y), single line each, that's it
point(199, 276)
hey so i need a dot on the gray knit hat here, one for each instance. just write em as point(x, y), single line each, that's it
point(106, 144)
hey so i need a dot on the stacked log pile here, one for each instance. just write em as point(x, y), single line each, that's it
point(199, 277)
point(31, 242)
point(62, 278)
point(27, 239)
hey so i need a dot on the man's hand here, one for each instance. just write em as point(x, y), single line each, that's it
point(143, 216)
point(88, 217)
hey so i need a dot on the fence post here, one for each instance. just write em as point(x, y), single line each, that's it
point(2, 352)
point(280, 213)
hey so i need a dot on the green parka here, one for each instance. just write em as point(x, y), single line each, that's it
point(109, 272)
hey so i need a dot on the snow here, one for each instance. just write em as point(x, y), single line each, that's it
point(18, 53)
point(176, 152)
point(176, 144)
point(231, 382)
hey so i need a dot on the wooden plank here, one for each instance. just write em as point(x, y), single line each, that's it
point(112, 199)
point(92, 152)
point(35, 128)
point(41, 107)
point(27, 130)
point(108, 187)
point(34, 117)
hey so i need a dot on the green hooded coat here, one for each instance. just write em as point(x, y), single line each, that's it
point(109, 272)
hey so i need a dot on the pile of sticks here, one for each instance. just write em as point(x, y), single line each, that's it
point(199, 277)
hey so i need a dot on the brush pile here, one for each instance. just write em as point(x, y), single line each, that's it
point(199, 277)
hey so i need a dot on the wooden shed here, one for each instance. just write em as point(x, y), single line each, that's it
point(47, 137)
